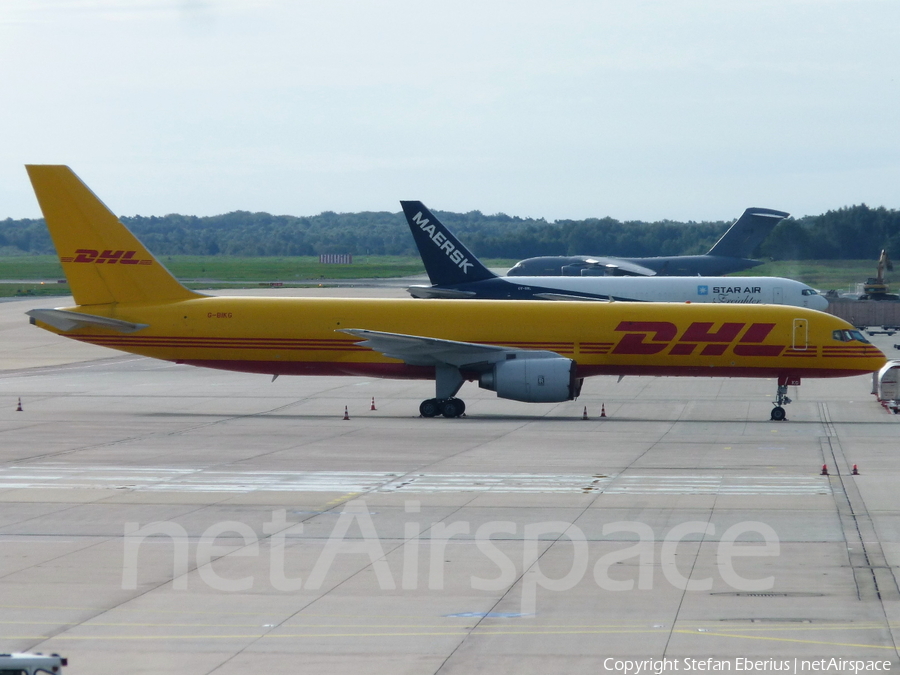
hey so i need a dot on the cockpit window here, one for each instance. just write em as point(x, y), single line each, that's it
point(809, 291)
point(848, 336)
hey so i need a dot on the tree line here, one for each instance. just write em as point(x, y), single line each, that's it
point(854, 232)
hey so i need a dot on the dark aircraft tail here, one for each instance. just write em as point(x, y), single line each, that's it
point(446, 260)
point(747, 233)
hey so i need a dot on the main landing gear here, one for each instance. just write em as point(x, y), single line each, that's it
point(781, 397)
point(447, 380)
point(448, 407)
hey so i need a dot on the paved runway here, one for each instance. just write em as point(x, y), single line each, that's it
point(157, 518)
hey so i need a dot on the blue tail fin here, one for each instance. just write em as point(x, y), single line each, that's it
point(446, 260)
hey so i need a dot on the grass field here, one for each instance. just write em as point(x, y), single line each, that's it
point(224, 268)
point(822, 274)
point(202, 272)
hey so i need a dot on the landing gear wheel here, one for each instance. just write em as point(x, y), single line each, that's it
point(452, 407)
point(781, 397)
point(429, 407)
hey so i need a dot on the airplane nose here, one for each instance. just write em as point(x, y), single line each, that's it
point(819, 302)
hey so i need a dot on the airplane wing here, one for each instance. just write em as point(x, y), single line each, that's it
point(564, 296)
point(425, 351)
point(623, 267)
point(433, 292)
point(610, 267)
point(65, 321)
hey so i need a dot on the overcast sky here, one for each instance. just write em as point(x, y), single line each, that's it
point(681, 109)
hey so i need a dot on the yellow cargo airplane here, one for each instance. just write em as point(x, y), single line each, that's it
point(533, 351)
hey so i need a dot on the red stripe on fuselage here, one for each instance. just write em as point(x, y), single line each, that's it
point(404, 371)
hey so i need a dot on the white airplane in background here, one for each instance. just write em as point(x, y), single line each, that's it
point(456, 273)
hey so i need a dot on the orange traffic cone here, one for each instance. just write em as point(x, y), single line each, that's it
point(346, 413)
point(824, 470)
point(19, 407)
point(373, 404)
point(584, 414)
point(602, 410)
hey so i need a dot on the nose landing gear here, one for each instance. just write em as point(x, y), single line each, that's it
point(781, 397)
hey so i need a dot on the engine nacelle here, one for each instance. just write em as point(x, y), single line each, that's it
point(533, 380)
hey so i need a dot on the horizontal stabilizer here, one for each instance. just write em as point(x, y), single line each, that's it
point(65, 321)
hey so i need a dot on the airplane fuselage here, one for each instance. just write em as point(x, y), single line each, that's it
point(671, 266)
point(523, 351)
point(740, 290)
point(300, 336)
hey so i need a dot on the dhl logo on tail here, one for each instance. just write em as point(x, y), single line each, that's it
point(86, 255)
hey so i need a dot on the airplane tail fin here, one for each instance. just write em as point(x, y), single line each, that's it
point(102, 260)
point(446, 260)
point(747, 233)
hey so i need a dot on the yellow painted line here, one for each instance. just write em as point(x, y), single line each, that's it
point(476, 631)
point(93, 624)
point(139, 609)
point(779, 627)
point(116, 624)
point(487, 627)
point(463, 631)
point(778, 639)
point(254, 636)
point(769, 626)
point(340, 500)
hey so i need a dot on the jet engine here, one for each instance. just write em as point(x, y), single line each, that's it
point(533, 380)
